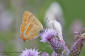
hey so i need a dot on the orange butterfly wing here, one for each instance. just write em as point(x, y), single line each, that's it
point(30, 27)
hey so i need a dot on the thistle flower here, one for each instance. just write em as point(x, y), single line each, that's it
point(51, 37)
point(57, 45)
point(44, 54)
point(77, 46)
point(49, 33)
point(30, 52)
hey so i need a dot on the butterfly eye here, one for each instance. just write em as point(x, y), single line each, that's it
point(41, 31)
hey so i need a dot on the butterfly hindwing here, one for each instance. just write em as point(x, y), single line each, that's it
point(30, 27)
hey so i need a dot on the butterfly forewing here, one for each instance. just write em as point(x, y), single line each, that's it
point(30, 27)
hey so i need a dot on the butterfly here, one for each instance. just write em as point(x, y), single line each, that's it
point(30, 27)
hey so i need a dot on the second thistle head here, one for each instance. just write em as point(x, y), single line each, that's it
point(30, 52)
point(78, 45)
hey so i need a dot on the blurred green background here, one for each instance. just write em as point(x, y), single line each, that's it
point(11, 13)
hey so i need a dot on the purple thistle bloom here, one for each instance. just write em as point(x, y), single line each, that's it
point(78, 44)
point(76, 48)
point(30, 52)
point(57, 45)
point(49, 33)
point(51, 37)
point(44, 54)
